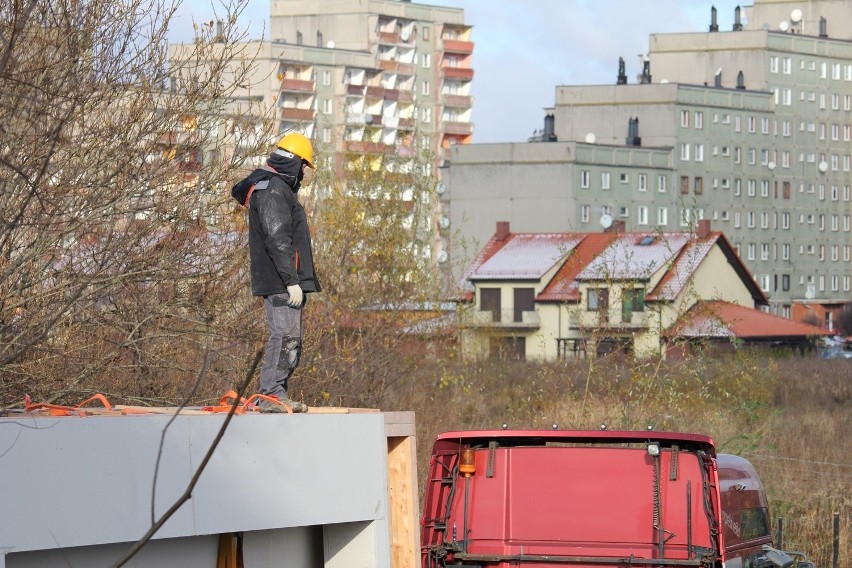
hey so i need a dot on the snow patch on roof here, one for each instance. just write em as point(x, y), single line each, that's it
point(525, 257)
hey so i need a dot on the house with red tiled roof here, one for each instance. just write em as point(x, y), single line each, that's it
point(543, 296)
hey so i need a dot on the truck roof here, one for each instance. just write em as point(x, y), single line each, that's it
point(541, 437)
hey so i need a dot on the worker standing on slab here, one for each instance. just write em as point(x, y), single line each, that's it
point(282, 261)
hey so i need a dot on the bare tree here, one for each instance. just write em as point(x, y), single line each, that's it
point(117, 250)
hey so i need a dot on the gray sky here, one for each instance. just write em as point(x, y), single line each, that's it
point(525, 48)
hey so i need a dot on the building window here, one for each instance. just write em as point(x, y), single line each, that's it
point(750, 219)
point(684, 152)
point(427, 60)
point(584, 179)
point(699, 119)
point(764, 251)
point(662, 183)
point(632, 300)
point(684, 119)
point(698, 185)
point(699, 152)
point(642, 217)
point(326, 78)
point(598, 299)
point(425, 32)
point(643, 182)
point(327, 106)
point(489, 301)
point(424, 87)
point(785, 251)
point(662, 216)
point(750, 251)
point(624, 177)
point(684, 184)
point(524, 302)
point(604, 180)
point(585, 212)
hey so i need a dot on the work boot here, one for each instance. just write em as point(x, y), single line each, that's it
point(267, 406)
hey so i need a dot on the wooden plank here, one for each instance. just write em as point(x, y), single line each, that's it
point(402, 497)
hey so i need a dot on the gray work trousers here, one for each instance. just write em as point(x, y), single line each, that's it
point(284, 345)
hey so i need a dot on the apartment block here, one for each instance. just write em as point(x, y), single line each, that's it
point(373, 76)
point(754, 124)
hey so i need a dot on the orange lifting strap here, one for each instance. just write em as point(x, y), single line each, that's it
point(245, 404)
point(60, 410)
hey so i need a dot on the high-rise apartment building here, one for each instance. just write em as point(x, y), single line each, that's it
point(374, 75)
point(755, 126)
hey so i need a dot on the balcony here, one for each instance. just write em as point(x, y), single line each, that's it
point(356, 90)
point(503, 319)
point(388, 65)
point(458, 46)
point(297, 86)
point(460, 73)
point(460, 101)
point(375, 92)
point(297, 114)
point(392, 94)
point(458, 128)
point(405, 96)
point(406, 124)
point(389, 38)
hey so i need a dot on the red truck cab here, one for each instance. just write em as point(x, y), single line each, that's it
point(544, 498)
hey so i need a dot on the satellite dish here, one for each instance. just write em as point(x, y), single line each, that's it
point(784, 26)
point(442, 257)
point(440, 188)
point(823, 166)
point(330, 44)
point(664, 81)
point(405, 34)
point(445, 222)
point(796, 16)
point(606, 220)
point(771, 165)
point(810, 292)
point(591, 138)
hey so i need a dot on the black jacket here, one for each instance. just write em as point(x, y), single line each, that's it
point(279, 237)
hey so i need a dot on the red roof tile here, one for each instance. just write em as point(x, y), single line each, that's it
point(717, 318)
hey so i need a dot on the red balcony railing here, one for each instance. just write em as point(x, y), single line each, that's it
point(458, 128)
point(297, 85)
point(460, 73)
point(461, 101)
point(297, 114)
point(458, 46)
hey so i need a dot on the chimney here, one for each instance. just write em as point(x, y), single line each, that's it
point(740, 80)
point(703, 229)
point(646, 72)
point(738, 25)
point(617, 226)
point(714, 27)
point(502, 230)
point(549, 134)
point(823, 27)
point(717, 79)
point(622, 76)
point(633, 138)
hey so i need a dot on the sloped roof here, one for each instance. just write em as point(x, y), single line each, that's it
point(563, 286)
point(720, 319)
point(524, 256)
point(604, 256)
point(635, 256)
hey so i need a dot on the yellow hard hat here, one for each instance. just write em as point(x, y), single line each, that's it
point(298, 144)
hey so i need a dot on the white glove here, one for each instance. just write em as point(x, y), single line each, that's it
point(296, 295)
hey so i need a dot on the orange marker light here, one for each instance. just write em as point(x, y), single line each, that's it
point(467, 465)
